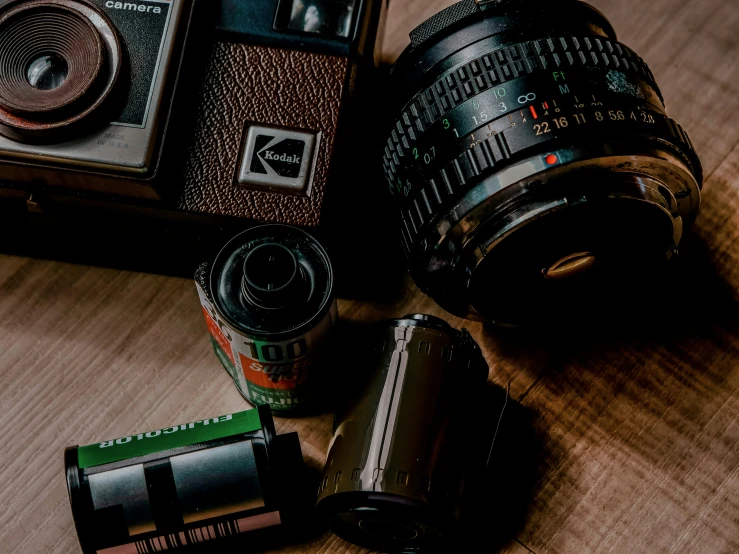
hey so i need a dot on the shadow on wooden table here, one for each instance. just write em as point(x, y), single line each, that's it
point(686, 298)
point(498, 498)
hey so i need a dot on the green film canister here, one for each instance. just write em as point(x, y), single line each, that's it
point(206, 481)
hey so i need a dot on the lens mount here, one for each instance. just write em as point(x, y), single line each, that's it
point(530, 155)
point(59, 61)
point(494, 246)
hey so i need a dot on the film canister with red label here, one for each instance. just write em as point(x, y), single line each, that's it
point(210, 481)
point(269, 306)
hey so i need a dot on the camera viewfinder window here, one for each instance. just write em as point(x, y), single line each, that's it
point(331, 18)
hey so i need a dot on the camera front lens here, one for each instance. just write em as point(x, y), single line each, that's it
point(47, 72)
point(53, 71)
point(532, 160)
point(59, 60)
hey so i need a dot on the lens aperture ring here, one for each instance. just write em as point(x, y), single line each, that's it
point(433, 194)
point(499, 66)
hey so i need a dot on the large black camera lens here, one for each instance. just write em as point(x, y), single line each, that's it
point(532, 160)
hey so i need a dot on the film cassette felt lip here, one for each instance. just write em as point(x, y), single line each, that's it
point(222, 481)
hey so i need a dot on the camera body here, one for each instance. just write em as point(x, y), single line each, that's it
point(226, 111)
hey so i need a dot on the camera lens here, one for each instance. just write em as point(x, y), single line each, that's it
point(47, 72)
point(59, 61)
point(532, 160)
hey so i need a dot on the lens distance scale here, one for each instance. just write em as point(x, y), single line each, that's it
point(487, 74)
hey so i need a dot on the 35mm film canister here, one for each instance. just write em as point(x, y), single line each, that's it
point(209, 480)
point(269, 306)
point(394, 473)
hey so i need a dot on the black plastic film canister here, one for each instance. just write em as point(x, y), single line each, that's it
point(269, 306)
point(210, 480)
point(397, 464)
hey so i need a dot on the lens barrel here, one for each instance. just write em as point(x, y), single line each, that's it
point(394, 473)
point(532, 160)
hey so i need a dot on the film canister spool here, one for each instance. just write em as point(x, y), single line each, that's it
point(269, 306)
point(209, 480)
point(395, 468)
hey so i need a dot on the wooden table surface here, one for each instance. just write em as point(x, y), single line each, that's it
point(639, 431)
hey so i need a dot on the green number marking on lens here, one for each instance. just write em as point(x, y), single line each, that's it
point(446, 124)
point(500, 92)
point(415, 153)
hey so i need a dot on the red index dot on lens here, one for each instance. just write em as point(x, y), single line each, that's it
point(551, 159)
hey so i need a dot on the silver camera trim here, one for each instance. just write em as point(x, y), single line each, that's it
point(116, 148)
point(272, 182)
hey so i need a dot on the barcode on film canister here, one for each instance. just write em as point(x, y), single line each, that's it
point(197, 535)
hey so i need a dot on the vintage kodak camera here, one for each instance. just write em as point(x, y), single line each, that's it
point(200, 110)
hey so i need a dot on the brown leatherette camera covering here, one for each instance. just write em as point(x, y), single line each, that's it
point(268, 86)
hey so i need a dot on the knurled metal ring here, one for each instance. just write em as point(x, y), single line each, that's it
point(503, 65)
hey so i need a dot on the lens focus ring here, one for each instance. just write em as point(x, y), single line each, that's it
point(500, 66)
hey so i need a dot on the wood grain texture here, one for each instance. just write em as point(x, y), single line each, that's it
point(639, 428)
